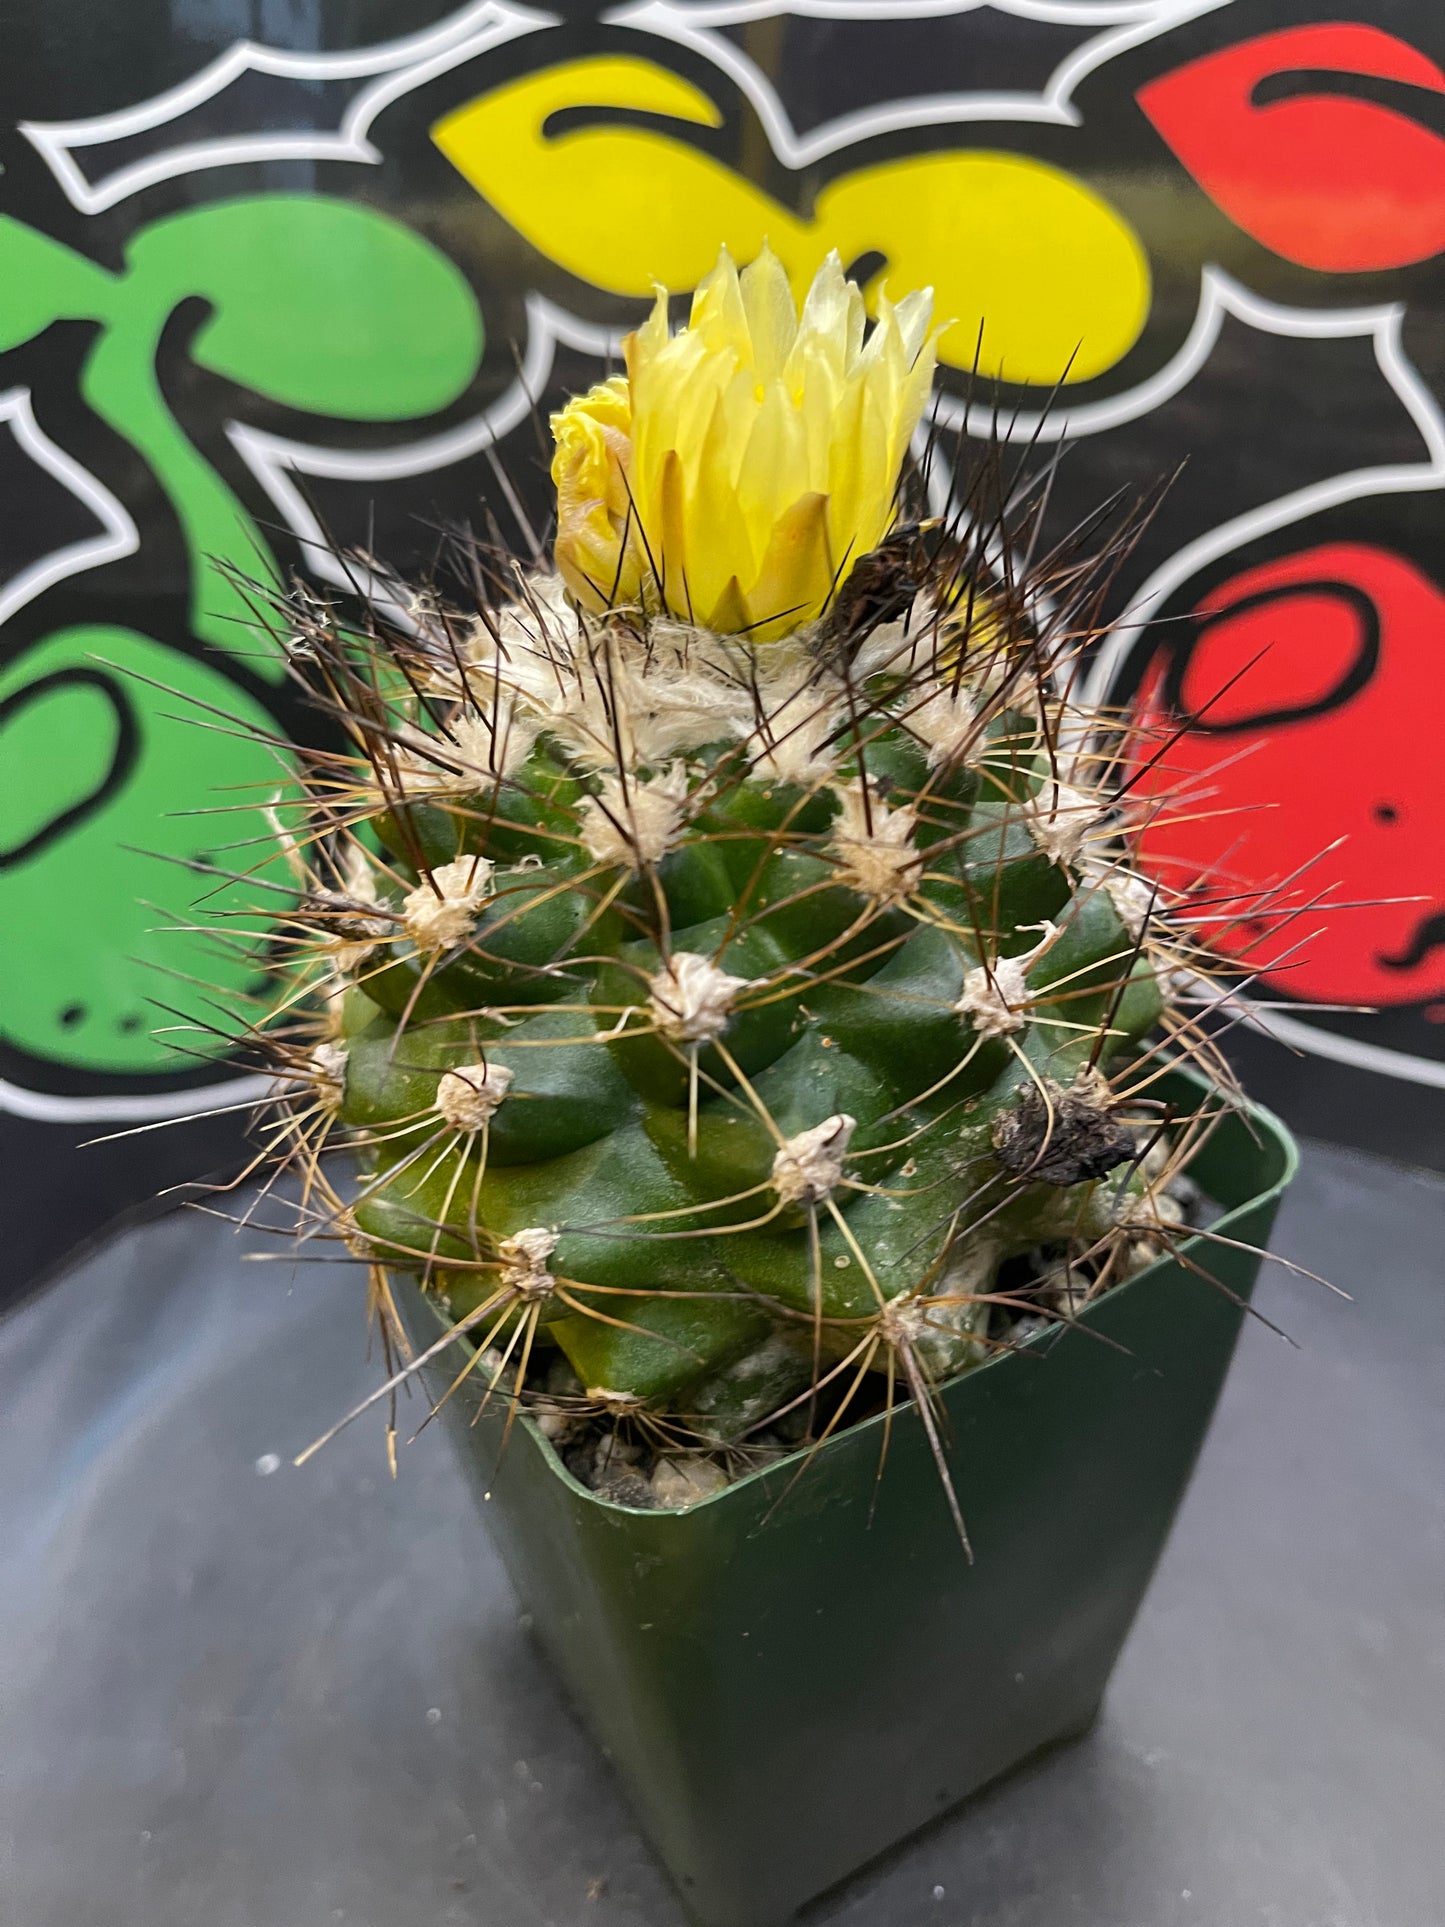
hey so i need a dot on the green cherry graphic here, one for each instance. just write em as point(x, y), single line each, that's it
point(317, 305)
point(109, 787)
point(314, 304)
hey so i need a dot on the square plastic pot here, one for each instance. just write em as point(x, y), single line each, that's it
point(797, 1673)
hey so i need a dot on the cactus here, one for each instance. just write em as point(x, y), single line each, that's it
point(720, 949)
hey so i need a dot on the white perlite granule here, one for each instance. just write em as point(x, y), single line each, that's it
point(679, 1482)
point(436, 918)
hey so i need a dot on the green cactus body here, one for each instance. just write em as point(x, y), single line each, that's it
point(700, 1051)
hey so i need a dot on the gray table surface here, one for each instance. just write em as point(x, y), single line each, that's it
point(240, 1695)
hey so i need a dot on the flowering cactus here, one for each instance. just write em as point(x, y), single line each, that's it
point(724, 947)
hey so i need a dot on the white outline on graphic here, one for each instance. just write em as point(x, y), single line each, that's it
point(137, 1107)
point(1353, 1051)
point(1400, 478)
point(120, 535)
point(1086, 13)
point(407, 63)
point(1220, 297)
point(1384, 324)
point(668, 20)
point(273, 459)
point(402, 64)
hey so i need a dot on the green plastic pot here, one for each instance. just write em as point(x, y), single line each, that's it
point(795, 1674)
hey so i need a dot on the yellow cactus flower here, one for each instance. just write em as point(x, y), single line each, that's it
point(742, 465)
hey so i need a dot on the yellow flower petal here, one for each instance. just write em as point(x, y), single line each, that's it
point(742, 461)
point(772, 317)
point(729, 614)
point(796, 572)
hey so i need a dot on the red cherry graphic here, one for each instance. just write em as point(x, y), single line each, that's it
point(1314, 692)
point(1325, 178)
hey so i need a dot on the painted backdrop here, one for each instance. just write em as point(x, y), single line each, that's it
point(277, 270)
